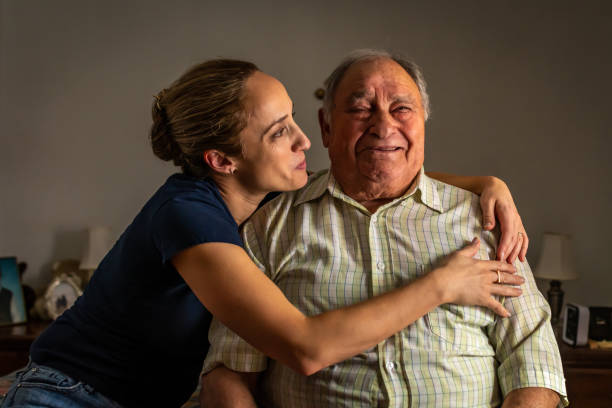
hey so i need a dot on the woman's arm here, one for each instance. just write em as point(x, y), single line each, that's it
point(237, 293)
point(495, 200)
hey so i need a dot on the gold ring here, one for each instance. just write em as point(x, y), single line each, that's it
point(499, 278)
point(520, 234)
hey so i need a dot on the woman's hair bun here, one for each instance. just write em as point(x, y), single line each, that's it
point(201, 110)
point(162, 140)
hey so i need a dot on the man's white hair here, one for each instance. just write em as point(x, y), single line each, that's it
point(331, 83)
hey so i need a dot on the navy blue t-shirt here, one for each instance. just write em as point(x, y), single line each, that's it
point(138, 334)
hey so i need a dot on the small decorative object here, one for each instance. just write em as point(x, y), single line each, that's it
point(98, 244)
point(319, 93)
point(600, 323)
point(12, 304)
point(575, 324)
point(556, 265)
point(61, 294)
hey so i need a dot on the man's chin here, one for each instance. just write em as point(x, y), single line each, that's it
point(387, 170)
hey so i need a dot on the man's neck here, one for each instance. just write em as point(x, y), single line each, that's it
point(373, 194)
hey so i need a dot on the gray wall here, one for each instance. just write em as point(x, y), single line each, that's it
point(519, 91)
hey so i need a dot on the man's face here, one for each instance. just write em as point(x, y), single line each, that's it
point(376, 135)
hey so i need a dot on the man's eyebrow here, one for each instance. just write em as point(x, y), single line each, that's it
point(407, 98)
point(358, 95)
point(271, 125)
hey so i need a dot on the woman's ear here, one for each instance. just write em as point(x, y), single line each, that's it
point(219, 162)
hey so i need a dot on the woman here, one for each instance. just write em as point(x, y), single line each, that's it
point(138, 335)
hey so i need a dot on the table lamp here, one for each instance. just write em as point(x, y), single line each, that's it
point(98, 244)
point(556, 265)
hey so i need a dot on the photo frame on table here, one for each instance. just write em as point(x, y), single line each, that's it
point(12, 302)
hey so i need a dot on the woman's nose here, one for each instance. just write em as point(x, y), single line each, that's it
point(301, 142)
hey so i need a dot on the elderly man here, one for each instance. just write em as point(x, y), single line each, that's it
point(375, 221)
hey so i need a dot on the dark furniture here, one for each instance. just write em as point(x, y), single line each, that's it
point(588, 375)
point(588, 372)
point(15, 344)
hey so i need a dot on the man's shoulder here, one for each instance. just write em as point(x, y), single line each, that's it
point(453, 197)
point(289, 200)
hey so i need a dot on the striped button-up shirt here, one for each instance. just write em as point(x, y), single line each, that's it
point(325, 250)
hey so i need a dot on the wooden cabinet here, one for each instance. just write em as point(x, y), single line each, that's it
point(15, 342)
point(588, 375)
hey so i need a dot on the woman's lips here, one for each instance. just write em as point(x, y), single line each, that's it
point(301, 166)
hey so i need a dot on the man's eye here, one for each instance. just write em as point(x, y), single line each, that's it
point(403, 109)
point(359, 109)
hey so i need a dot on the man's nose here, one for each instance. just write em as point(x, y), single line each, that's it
point(383, 124)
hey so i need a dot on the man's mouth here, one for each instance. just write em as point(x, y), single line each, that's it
point(386, 149)
point(382, 149)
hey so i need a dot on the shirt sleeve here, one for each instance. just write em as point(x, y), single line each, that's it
point(525, 344)
point(226, 347)
point(180, 224)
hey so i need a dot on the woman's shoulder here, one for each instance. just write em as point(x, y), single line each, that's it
point(187, 203)
point(189, 192)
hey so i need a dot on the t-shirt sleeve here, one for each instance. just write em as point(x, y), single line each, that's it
point(181, 224)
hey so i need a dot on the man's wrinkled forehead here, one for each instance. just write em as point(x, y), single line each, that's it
point(362, 78)
point(368, 95)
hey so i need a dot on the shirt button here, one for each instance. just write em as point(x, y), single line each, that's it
point(390, 366)
point(380, 265)
point(373, 218)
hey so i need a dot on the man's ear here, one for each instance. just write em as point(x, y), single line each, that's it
point(219, 161)
point(324, 127)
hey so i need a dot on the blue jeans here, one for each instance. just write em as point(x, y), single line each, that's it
point(40, 386)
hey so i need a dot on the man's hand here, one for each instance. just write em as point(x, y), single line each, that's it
point(532, 397)
point(224, 388)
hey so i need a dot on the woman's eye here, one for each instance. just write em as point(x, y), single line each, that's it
point(280, 132)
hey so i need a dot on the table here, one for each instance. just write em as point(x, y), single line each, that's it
point(15, 344)
point(588, 375)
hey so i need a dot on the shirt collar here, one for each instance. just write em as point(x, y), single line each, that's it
point(323, 181)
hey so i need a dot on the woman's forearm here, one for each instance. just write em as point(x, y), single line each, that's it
point(250, 304)
point(342, 333)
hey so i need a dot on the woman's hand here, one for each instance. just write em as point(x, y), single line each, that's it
point(464, 280)
point(496, 201)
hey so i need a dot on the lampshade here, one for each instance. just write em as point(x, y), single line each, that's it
point(556, 258)
point(98, 244)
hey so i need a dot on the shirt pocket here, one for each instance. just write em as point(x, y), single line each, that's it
point(460, 329)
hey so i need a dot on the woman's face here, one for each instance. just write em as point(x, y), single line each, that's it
point(273, 144)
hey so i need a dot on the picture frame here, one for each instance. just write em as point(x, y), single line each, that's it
point(12, 301)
